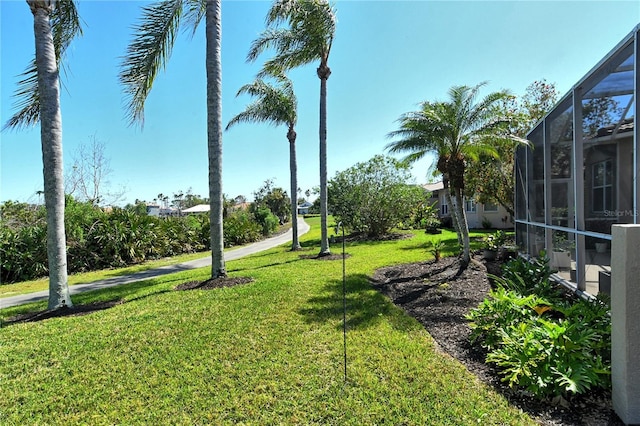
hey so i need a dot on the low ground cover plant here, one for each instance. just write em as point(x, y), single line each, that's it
point(541, 340)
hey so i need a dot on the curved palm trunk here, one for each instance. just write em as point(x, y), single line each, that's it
point(323, 73)
point(51, 138)
point(464, 230)
point(293, 170)
point(214, 135)
point(454, 214)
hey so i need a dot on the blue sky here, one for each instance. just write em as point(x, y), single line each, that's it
point(387, 57)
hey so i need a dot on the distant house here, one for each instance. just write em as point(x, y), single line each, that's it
point(157, 211)
point(198, 208)
point(478, 215)
point(304, 207)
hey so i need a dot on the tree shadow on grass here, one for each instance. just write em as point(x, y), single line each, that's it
point(450, 244)
point(88, 302)
point(366, 307)
point(267, 265)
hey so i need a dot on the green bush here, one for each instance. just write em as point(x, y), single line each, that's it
point(267, 221)
point(374, 197)
point(542, 341)
point(23, 252)
point(240, 228)
point(554, 357)
point(528, 277)
point(98, 239)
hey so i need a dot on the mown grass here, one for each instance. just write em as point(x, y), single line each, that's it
point(268, 352)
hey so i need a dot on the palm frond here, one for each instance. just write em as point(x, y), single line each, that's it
point(65, 26)
point(299, 31)
point(195, 11)
point(148, 53)
point(253, 113)
point(275, 104)
point(27, 100)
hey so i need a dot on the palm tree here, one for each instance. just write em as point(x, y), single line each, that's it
point(457, 131)
point(276, 105)
point(306, 37)
point(55, 25)
point(147, 53)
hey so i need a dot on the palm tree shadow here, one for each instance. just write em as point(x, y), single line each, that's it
point(268, 265)
point(88, 302)
point(365, 306)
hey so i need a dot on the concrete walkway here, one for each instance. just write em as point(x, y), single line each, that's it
point(247, 250)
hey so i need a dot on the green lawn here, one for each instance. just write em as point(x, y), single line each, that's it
point(269, 352)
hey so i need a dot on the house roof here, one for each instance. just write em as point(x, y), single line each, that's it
point(198, 208)
point(433, 187)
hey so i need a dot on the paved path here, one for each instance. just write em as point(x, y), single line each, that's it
point(266, 244)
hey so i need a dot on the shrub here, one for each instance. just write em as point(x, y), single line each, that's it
point(23, 252)
point(528, 276)
point(553, 358)
point(494, 241)
point(541, 341)
point(267, 221)
point(274, 199)
point(374, 197)
point(240, 228)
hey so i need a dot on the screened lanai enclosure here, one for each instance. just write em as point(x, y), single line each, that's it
point(579, 176)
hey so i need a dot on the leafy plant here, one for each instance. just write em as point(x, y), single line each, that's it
point(498, 311)
point(435, 248)
point(551, 358)
point(495, 241)
point(541, 341)
point(528, 276)
point(240, 228)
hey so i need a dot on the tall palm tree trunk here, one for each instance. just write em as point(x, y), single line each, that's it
point(214, 135)
point(51, 138)
point(464, 230)
point(293, 170)
point(323, 73)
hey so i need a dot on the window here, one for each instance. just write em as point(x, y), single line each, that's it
point(490, 207)
point(470, 206)
point(602, 186)
point(444, 208)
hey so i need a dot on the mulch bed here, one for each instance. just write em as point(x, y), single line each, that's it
point(438, 298)
point(74, 311)
point(214, 283)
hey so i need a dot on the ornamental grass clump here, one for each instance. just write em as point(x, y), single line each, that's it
point(540, 340)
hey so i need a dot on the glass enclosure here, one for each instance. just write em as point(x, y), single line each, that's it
point(578, 180)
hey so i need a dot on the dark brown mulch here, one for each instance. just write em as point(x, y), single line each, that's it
point(433, 294)
point(75, 310)
point(214, 283)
